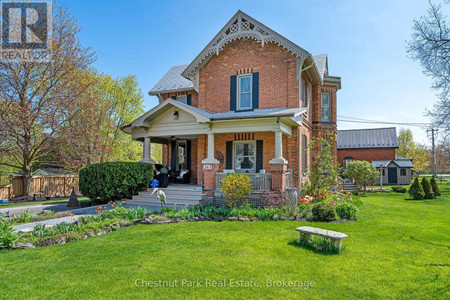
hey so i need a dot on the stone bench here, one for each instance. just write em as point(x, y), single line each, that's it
point(306, 233)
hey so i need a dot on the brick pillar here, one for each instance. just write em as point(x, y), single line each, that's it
point(278, 176)
point(209, 177)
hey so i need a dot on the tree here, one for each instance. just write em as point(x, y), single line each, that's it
point(324, 171)
point(408, 148)
point(430, 45)
point(37, 99)
point(362, 172)
point(427, 190)
point(435, 187)
point(95, 136)
point(416, 190)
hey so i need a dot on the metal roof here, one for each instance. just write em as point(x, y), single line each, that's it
point(172, 81)
point(367, 138)
point(321, 63)
point(399, 163)
point(258, 113)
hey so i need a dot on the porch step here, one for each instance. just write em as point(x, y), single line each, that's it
point(350, 187)
point(176, 195)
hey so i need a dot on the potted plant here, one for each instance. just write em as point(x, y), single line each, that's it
point(163, 177)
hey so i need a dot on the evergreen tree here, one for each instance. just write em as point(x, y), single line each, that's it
point(435, 187)
point(427, 188)
point(415, 190)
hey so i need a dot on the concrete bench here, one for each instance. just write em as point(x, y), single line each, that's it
point(307, 232)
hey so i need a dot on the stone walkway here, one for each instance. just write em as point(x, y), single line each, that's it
point(35, 209)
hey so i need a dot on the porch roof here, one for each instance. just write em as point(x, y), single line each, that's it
point(204, 116)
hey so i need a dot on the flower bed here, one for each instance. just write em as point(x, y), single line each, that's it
point(338, 207)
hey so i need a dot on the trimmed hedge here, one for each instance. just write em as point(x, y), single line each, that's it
point(435, 187)
point(114, 180)
point(427, 189)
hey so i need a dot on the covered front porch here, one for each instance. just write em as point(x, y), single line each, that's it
point(262, 143)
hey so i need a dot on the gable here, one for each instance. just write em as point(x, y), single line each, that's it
point(240, 26)
point(167, 117)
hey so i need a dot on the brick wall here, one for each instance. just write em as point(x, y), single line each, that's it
point(366, 154)
point(268, 138)
point(278, 86)
point(194, 96)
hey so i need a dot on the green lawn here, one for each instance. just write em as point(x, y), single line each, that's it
point(397, 249)
point(53, 201)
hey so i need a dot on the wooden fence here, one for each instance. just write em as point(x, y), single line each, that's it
point(43, 186)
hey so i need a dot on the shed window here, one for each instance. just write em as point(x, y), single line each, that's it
point(402, 172)
point(326, 107)
point(245, 92)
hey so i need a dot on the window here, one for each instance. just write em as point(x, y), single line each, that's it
point(245, 92)
point(304, 154)
point(182, 98)
point(304, 93)
point(402, 172)
point(245, 156)
point(347, 160)
point(326, 107)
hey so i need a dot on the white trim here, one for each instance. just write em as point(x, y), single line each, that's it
point(182, 96)
point(234, 156)
point(238, 90)
point(236, 29)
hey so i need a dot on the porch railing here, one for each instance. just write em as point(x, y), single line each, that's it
point(261, 182)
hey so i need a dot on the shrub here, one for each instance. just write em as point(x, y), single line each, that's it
point(399, 189)
point(427, 189)
point(362, 172)
point(114, 180)
point(416, 190)
point(323, 212)
point(346, 210)
point(236, 187)
point(8, 238)
point(435, 187)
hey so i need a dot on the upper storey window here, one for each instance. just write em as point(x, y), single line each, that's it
point(182, 99)
point(326, 107)
point(304, 93)
point(245, 92)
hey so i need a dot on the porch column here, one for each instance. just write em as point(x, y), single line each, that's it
point(210, 156)
point(147, 152)
point(278, 165)
point(210, 166)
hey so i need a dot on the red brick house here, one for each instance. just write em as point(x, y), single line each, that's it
point(377, 146)
point(249, 102)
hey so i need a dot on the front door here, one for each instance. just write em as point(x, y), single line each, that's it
point(392, 175)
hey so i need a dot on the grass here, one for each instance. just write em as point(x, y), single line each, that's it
point(397, 249)
point(52, 201)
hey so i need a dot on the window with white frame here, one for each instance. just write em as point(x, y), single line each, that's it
point(245, 156)
point(304, 93)
point(326, 107)
point(244, 92)
point(182, 98)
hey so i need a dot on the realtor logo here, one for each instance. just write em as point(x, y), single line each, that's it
point(26, 28)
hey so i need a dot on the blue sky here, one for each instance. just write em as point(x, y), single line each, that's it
point(365, 41)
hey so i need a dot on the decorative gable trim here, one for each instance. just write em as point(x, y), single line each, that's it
point(240, 26)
